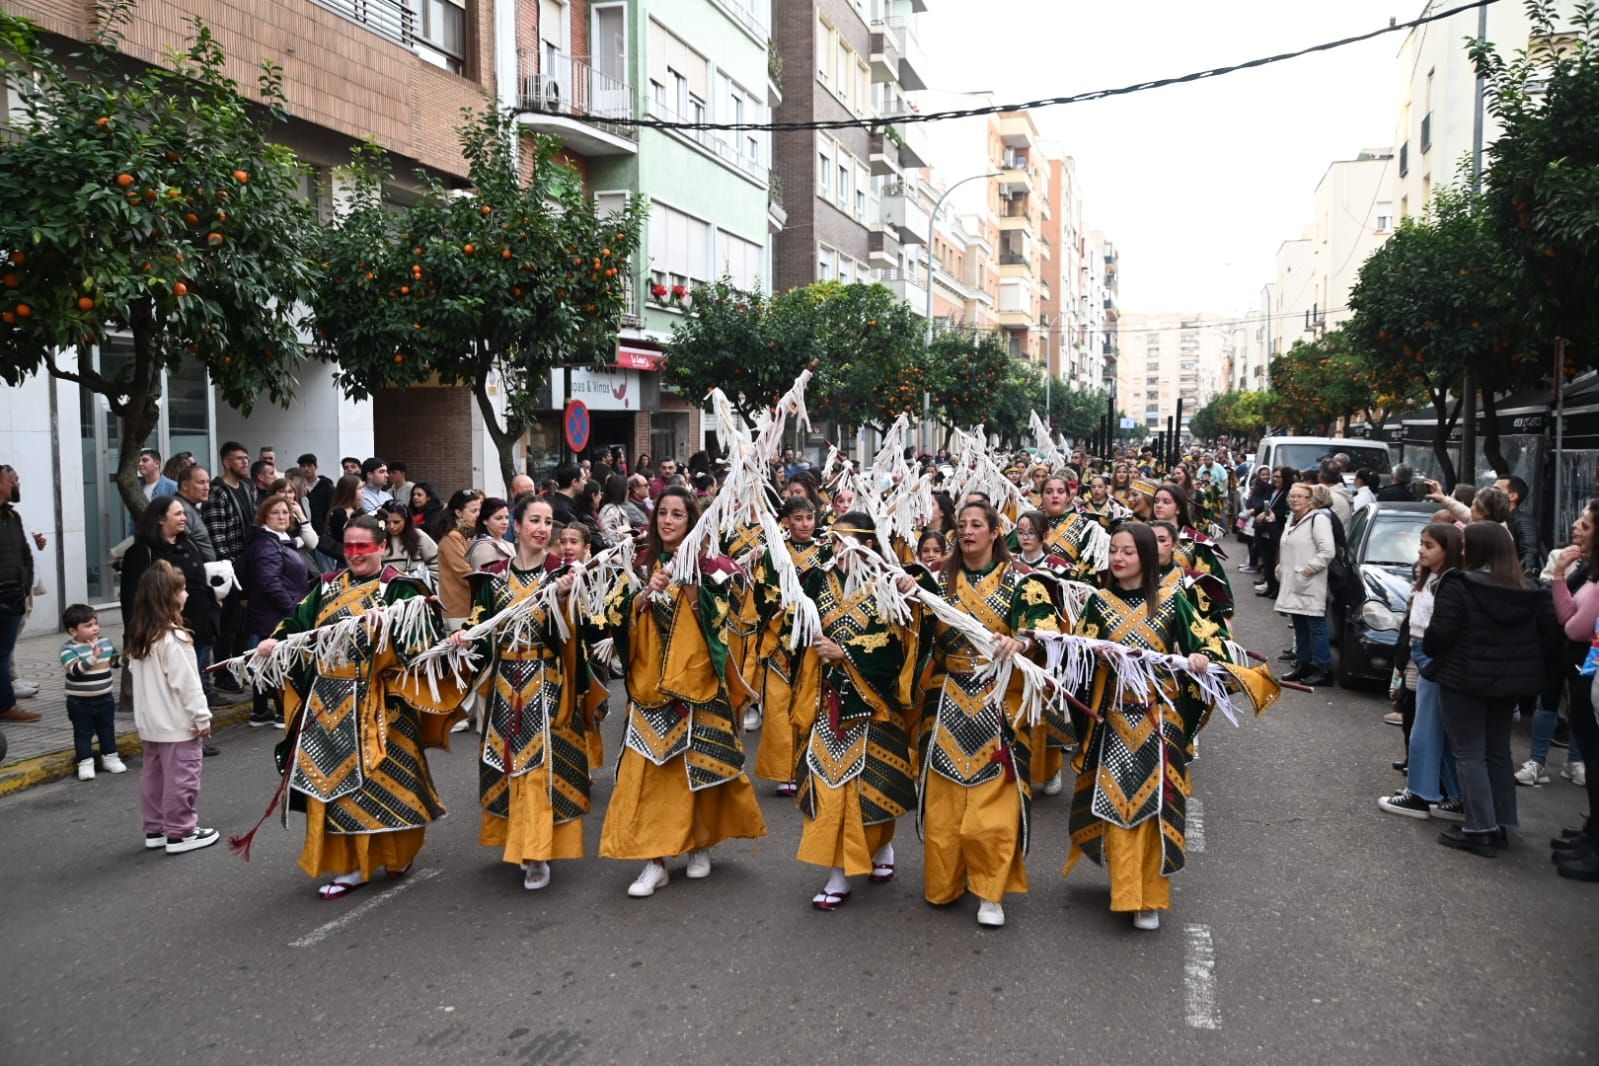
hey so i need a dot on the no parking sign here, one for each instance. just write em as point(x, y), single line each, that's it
point(575, 424)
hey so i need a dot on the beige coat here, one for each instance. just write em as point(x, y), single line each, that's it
point(168, 702)
point(1307, 545)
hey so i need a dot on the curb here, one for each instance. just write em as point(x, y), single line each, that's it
point(41, 769)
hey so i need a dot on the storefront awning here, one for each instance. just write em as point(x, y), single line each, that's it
point(638, 358)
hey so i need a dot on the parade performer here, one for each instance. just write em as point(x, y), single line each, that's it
point(1209, 596)
point(1132, 772)
point(781, 735)
point(854, 692)
point(358, 725)
point(1121, 484)
point(1195, 550)
point(1052, 737)
point(1141, 499)
point(533, 772)
point(1077, 539)
point(680, 783)
point(975, 794)
point(1098, 504)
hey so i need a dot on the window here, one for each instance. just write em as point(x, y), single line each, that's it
point(863, 88)
point(1385, 217)
point(739, 259)
point(843, 185)
point(841, 70)
point(679, 247)
point(684, 72)
point(441, 32)
point(824, 51)
point(824, 265)
point(824, 173)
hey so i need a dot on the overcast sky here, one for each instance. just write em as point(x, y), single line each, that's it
point(1196, 184)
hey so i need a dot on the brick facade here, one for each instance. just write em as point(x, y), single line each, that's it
point(431, 429)
point(338, 74)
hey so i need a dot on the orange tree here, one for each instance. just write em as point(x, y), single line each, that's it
point(1436, 301)
point(965, 370)
point(146, 206)
point(872, 362)
point(493, 287)
point(749, 345)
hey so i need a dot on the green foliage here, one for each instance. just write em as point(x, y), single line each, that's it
point(1541, 181)
point(964, 371)
point(507, 280)
point(148, 204)
point(1237, 413)
point(1076, 412)
point(872, 362)
point(739, 340)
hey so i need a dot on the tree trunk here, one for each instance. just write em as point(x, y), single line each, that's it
point(1440, 438)
point(504, 439)
point(1490, 440)
point(138, 417)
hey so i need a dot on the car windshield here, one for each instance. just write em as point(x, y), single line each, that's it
point(1308, 456)
point(1393, 539)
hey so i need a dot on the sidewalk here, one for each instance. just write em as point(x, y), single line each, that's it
point(42, 751)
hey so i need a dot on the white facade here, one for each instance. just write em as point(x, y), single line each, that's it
point(1167, 356)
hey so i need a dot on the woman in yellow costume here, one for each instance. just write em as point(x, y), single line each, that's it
point(680, 783)
point(1132, 772)
point(781, 735)
point(976, 795)
point(855, 693)
point(533, 768)
point(1195, 551)
point(1052, 737)
point(358, 727)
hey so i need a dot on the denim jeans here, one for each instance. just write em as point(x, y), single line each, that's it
point(9, 628)
point(1431, 761)
point(1479, 731)
point(1544, 720)
point(1310, 641)
point(91, 718)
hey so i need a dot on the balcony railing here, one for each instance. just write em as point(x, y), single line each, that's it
point(569, 86)
point(386, 18)
point(1012, 259)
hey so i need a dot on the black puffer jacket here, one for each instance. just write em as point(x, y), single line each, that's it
point(1491, 641)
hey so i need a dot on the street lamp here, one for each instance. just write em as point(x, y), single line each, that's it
point(932, 269)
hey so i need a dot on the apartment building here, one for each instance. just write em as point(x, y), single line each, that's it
point(1167, 357)
point(1253, 342)
point(855, 211)
point(352, 70)
point(964, 272)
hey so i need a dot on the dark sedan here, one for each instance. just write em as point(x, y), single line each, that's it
point(1380, 549)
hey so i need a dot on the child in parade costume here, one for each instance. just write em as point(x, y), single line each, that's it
point(1070, 536)
point(1141, 499)
point(854, 694)
point(1098, 505)
point(931, 548)
point(533, 768)
point(680, 784)
point(1194, 551)
point(1121, 485)
point(358, 727)
point(1052, 737)
point(1132, 772)
point(1035, 493)
point(975, 794)
point(781, 735)
point(573, 546)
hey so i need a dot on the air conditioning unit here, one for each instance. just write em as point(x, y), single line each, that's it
point(544, 93)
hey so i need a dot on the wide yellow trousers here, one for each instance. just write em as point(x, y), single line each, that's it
point(837, 836)
point(327, 853)
point(971, 839)
point(530, 833)
point(654, 814)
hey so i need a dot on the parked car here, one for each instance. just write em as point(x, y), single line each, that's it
point(1380, 549)
point(1304, 453)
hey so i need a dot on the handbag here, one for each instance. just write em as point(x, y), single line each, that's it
point(222, 578)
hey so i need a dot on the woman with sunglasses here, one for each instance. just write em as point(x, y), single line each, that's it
point(359, 726)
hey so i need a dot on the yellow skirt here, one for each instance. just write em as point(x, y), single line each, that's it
point(1046, 761)
point(837, 836)
point(530, 833)
point(971, 839)
point(781, 742)
point(654, 814)
point(1133, 860)
point(333, 854)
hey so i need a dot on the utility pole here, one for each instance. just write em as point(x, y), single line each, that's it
point(932, 269)
point(1468, 398)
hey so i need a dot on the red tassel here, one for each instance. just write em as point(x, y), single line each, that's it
point(240, 845)
point(1002, 755)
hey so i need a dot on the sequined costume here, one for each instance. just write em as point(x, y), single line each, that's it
point(856, 776)
point(533, 765)
point(1054, 735)
point(781, 735)
point(680, 782)
point(1197, 552)
point(1129, 804)
point(976, 796)
point(358, 729)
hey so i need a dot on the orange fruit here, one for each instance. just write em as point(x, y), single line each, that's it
point(19, 257)
point(487, 210)
point(505, 253)
point(191, 218)
point(405, 290)
point(213, 238)
point(180, 290)
point(468, 248)
point(8, 317)
point(124, 180)
point(398, 358)
point(102, 122)
point(12, 281)
point(86, 303)
point(23, 310)
point(241, 176)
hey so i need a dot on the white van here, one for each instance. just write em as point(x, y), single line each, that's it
point(1304, 453)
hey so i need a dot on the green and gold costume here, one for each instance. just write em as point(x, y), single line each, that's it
point(781, 735)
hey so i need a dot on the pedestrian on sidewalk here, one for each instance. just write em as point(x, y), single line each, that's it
point(1493, 641)
point(169, 710)
point(16, 585)
point(277, 576)
point(88, 659)
point(1303, 555)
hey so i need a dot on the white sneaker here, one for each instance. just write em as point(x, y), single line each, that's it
point(1053, 786)
point(24, 689)
point(652, 877)
point(197, 838)
point(1532, 774)
point(461, 727)
point(1576, 773)
point(86, 770)
point(990, 914)
point(113, 764)
point(752, 719)
point(535, 875)
point(1146, 920)
point(699, 864)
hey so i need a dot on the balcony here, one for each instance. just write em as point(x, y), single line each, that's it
point(1426, 133)
point(1015, 259)
point(882, 247)
point(884, 53)
point(912, 60)
point(903, 210)
point(573, 101)
point(1022, 320)
point(913, 150)
point(909, 284)
point(1112, 312)
point(882, 154)
point(1404, 159)
point(1014, 178)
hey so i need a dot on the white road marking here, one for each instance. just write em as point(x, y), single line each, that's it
point(1199, 978)
point(322, 932)
point(1194, 831)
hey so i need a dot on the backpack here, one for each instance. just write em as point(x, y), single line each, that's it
point(1337, 569)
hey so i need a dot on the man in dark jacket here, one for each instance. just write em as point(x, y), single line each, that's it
point(568, 483)
point(1398, 488)
point(1524, 526)
point(319, 494)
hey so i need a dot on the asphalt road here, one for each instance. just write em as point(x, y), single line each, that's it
point(1311, 928)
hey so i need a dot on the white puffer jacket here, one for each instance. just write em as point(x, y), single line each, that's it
point(1307, 546)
